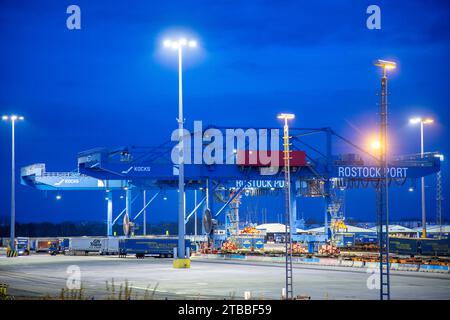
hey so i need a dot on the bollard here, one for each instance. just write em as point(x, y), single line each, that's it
point(175, 253)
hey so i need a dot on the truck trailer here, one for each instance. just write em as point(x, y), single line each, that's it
point(161, 247)
point(86, 245)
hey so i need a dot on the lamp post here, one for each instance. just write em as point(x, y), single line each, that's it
point(422, 123)
point(179, 45)
point(13, 119)
point(382, 187)
point(288, 210)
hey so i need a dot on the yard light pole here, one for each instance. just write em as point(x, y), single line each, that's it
point(422, 123)
point(13, 119)
point(179, 45)
point(287, 188)
point(382, 187)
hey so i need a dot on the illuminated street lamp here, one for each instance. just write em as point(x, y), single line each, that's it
point(422, 121)
point(13, 119)
point(179, 45)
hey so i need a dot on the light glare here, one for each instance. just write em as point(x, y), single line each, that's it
point(388, 65)
point(375, 144)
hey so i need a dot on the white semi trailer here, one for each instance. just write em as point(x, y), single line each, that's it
point(86, 245)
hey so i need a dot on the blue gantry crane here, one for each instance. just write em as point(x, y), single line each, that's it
point(151, 168)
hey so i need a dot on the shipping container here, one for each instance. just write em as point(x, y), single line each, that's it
point(366, 238)
point(345, 240)
point(404, 246)
point(434, 247)
point(255, 159)
point(250, 242)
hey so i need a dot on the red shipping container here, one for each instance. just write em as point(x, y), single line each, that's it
point(253, 159)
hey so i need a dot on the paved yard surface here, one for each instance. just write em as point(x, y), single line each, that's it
point(40, 275)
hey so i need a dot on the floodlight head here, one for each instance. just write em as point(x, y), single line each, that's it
point(12, 117)
point(286, 116)
point(387, 65)
point(181, 42)
point(415, 120)
point(428, 121)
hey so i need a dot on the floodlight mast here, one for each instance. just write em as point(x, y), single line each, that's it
point(288, 210)
point(382, 186)
point(181, 250)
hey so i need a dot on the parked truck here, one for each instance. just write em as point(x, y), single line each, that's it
point(22, 246)
point(58, 246)
point(161, 247)
point(43, 245)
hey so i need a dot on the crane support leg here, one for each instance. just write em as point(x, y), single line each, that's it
point(293, 220)
point(109, 215)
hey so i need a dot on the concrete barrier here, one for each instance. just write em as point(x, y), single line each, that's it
point(309, 260)
point(358, 264)
point(433, 268)
point(328, 262)
point(346, 263)
point(394, 266)
point(407, 267)
point(372, 265)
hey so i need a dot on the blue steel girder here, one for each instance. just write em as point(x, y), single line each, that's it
point(37, 177)
point(164, 175)
point(152, 167)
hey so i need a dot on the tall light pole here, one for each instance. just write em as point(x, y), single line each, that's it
point(287, 200)
point(13, 119)
point(422, 123)
point(179, 44)
point(382, 187)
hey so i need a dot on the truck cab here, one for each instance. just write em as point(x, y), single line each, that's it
point(22, 246)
